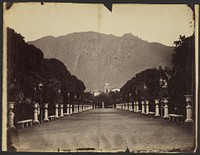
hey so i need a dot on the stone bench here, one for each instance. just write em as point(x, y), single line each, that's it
point(173, 117)
point(65, 114)
point(27, 122)
point(52, 117)
point(139, 111)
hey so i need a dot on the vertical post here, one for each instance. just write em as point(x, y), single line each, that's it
point(102, 105)
point(143, 107)
point(188, 109)
point(157, 107)
point(35, 118)
point(46, 119)
point(147, 107)
point(11, 116)
point(166, 110)
point(130, 106)
point(61, 110)
point(134, 107)
point(68, 113)
point(56, 110)
point(71, 112)
point(137, 106)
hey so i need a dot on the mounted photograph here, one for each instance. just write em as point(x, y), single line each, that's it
point(86, 77)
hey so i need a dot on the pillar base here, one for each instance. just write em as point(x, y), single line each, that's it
point(61, 116)
point(166, 117)
point(12, 127)
point(46, 120)
point(157, 115)
point(36, 122)
point(57, 117)
point(189, 121)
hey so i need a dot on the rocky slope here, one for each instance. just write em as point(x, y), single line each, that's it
point(97, 58)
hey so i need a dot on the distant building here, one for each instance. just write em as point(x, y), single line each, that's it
point(107, 87)
point(97, 93)
point(115, 90)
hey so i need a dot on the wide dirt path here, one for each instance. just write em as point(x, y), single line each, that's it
point(106, 129)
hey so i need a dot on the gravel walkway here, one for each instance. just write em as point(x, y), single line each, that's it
point(106, 130)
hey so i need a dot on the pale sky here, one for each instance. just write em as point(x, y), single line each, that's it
point(154, 23)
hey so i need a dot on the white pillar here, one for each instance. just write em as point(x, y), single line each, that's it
point(68, 113)
point(127, 106)
point(35, 118)
point(74, 109)
point(188, 109)
point(137, 106)
point(80, 107)
point(46, 119)
point(130, 107)
point(147, 107)
point(11, 115)
point(56, 110)
point(166, 110)
point(70, 109)
point(134, 107)
point(83, 107)
point(102, 105)
point(61, 110)
point(157, 107)
point(143, 107)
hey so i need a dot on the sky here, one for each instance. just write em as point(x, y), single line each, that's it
point(153, 23)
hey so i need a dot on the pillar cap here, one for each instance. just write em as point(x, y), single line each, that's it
point(188, 98)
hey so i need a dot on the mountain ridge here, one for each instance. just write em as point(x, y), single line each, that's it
point(98, 58)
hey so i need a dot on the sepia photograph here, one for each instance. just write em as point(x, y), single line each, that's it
point(89, 77)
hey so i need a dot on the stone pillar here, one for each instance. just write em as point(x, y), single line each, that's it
point(130, 107)
point(143, 107)
point(83, 107)
point(35, 118)
point(68, 112)
point(166, 110)
point(61, 110)
point(80, 107)
point(102, 105)
point(74, 109)
point(134, 107)
point(147, 107)
point(137, 106)
point(56, 110)
point(188, 109)
point(11, 115)
point(157, 107)
point(46, 119)
point(70, 109)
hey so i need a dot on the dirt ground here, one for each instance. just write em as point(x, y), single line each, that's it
point(106, 130)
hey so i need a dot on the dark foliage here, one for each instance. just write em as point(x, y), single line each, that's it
point(180, 79)
point(26, 68)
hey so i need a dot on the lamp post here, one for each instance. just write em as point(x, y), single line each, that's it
point(130, 103)
point(161, 82)
point(163, 86)
point(40, 87)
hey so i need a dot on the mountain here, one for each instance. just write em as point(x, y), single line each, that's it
point(98, 58)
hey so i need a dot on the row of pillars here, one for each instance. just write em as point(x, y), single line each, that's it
point(145, 107)
point(70, 110)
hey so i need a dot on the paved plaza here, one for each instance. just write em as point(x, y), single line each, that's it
point(106, 129)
